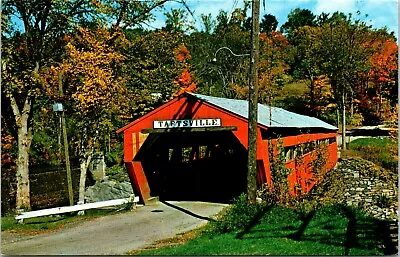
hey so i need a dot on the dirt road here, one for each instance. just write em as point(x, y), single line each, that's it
point(116, 234)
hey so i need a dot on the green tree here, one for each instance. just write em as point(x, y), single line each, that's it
point(201, 46)
point(344, 54)
point(208, 23)
point(177, 20)
point(304, 64)
point(153, 65)
point(230, 70)
point(296, 19)
point(268, 24)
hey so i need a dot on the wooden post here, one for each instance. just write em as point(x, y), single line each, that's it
point(253, 104)
point(66, 150)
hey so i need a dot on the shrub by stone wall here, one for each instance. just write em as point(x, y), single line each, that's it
point(117, 173)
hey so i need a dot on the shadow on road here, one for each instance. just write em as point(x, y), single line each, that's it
point(187, 212)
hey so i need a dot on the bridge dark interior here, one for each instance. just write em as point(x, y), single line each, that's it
point(194, 166)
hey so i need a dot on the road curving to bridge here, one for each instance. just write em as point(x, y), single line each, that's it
point(116, 234)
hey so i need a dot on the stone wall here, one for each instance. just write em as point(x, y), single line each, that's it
point(371, 191)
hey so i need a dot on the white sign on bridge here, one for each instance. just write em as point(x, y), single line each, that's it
point(198, 123)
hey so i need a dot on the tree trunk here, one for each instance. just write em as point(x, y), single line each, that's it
point(24, 144)
point(337, 117)
point(351, 105)
point(343, 120)
point(312, 93)
point(82, 181)
point(23, 185)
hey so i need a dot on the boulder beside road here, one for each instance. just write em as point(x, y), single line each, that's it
point(108, 190)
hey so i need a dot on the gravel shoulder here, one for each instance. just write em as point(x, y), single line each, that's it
point(115, 234)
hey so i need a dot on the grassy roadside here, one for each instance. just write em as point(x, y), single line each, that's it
point(51, 223)
point(330, 230)
point(381, 151)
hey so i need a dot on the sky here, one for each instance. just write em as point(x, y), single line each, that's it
point(380, 13)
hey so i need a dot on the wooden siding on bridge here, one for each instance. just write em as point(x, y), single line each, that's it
point(187, 106)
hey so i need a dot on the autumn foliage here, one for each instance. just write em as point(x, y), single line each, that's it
point(8, 178)
point(185, 83)
point(7, 144)
point(182, 53)
point(185, 79)
point(90, 70)
point(384, 62)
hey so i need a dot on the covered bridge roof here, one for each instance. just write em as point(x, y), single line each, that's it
point(279, 117)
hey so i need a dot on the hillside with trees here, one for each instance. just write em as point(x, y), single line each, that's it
point(97, 58)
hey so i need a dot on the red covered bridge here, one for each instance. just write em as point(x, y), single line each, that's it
point(194, 147)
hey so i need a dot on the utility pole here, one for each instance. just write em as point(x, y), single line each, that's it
point(253, 104)
point(66, 150)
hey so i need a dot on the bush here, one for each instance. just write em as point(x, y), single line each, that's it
point(355, 120)
point(328, 116)
point(390, 164)
point(116, 156)
point(239, 216)
point(117, 173)
point(384, 201)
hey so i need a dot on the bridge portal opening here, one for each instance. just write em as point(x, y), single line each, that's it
point(195, 166)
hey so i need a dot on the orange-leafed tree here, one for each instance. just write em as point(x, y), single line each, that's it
point(323, 103)
point(383, 73)
point(185, 81)
point(93, 92)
